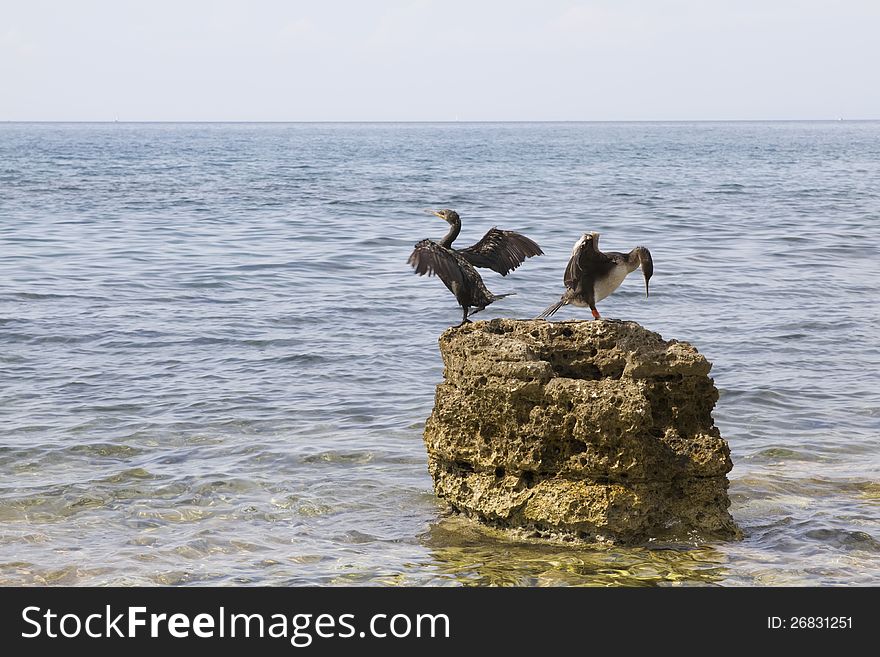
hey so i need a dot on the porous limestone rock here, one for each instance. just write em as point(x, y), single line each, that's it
point(592, 430)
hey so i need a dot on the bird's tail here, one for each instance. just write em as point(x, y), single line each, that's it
point(549, 310)
point(495, 298)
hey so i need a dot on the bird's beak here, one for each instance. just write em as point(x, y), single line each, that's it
point(437, 214)
point(646, 289)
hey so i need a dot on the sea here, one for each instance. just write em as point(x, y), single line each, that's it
point(216, 364)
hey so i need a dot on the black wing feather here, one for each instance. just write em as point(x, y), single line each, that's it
point(573, 270)
point(501, 250)
point(585, 266)
point(430, 258)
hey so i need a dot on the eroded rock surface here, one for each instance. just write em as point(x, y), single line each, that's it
point(594, 430)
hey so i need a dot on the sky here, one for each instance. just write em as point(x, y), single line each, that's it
point(439, 60)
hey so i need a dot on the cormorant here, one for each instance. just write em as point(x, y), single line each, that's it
point(592, 275)
point(499, 250)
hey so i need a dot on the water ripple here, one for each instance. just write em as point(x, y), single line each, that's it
point(217, 364)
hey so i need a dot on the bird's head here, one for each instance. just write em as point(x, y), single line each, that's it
point(647, 264)
point(449, 216)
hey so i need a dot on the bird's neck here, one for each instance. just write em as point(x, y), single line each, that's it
point(449, 238)
point(633, 260)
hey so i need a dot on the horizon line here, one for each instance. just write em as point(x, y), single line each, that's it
point(424, 121)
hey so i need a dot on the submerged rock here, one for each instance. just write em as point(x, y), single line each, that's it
point(594, 430)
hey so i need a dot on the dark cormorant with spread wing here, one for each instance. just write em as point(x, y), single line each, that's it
point(499, 250)
point(592, 275)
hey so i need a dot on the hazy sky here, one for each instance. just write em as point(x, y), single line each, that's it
point(343, 60)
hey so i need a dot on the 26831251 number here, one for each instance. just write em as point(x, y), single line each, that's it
point(810, 623)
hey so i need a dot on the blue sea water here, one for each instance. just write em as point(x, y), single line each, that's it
point(215, 363)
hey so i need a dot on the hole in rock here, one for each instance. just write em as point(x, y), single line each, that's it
point(564, 367)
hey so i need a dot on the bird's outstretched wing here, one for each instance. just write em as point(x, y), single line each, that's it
point(586, 262)
point(501, 250)
point(430, 258)
point(572, 271)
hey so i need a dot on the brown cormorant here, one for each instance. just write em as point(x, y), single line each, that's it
point(499, 250)
point(592, 275)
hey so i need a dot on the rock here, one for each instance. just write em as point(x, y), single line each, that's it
point(592, 430)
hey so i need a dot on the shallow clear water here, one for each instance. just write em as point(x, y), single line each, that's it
point(216, 364)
